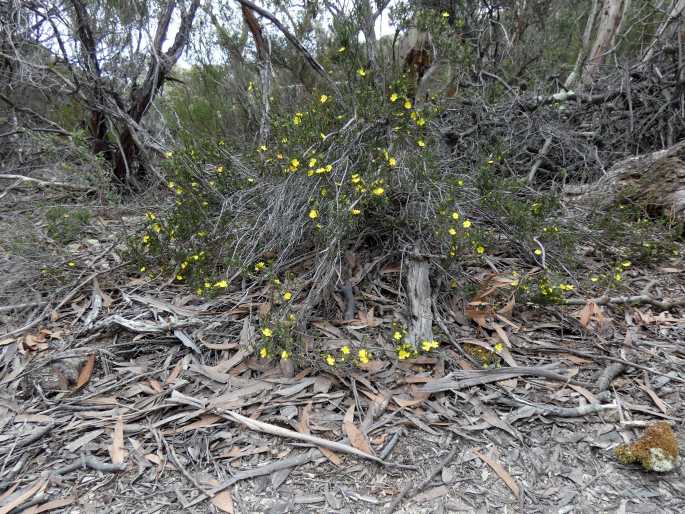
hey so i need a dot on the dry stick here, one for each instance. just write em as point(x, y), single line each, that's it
point(290, 462)
point(20, 306)
point(642, 299)
point(437, 469)
point(291, 434)
point(32, 438)
point(607, 358)
point(174, 460)
point(566, 412)
point(541, 157)
point(64, 185)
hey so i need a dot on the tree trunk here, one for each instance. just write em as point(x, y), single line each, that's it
point(604, 22)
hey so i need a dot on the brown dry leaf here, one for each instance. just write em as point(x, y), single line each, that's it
point(356, 437)
point(479, 312)
point(174, 373)
point(584, 392)
point(591, 311)
point(23, 497)
point(499, 469)
point(303, 428)
point(116, 450)
point(663, 407)
point(155, 385)
point(85, 373)
point(222, 501)
point(204, 422)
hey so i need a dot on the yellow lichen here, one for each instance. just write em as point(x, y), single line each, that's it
point(656, 450)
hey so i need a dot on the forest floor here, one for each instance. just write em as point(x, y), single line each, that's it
point(124, 394)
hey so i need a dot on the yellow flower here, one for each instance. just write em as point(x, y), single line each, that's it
point(397, 336)
point(341, 49)
point(394, 97)
point(328, 168)
point(355, 212)
point(403, 354)
point(262, 148)
point(445, 14)
point(421, 143)
point(480, 249)
point(594, 279)
point(157, 228)
point(168, 155)
point(420, 122)
point(259, 266)
point(264, 352)
point(355, 178)
point(626, 264)
point(330, 360)
point(313, 214)
point(491, 161)
point(142, 269)
point(538, 252)
point(392, 161)
point(285, 355)
point(618, 277)
point(146, 239)
point(499, 347)
point(219, 169)
point(378, 191)
point(323, 99)
point(179, 277)
point(222, 284)
point(279, 156)
point(205, 203)
point(407, 104)
point(267, 332)
point(466, 224)
point(363, 356)
point(297, 119)
point(151, 216)
point(71, 264)
point(452, 231)
point(460, 182)
point(361, 72)
point(427, 346)
point(184, 265)
point(312, 162)
point(287, 295)
point(345, 350)
point(455, 215)
point(294, 164)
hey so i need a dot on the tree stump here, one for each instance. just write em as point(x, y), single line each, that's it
point(419, 300)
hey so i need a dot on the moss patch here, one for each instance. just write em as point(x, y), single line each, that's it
point(656, 450)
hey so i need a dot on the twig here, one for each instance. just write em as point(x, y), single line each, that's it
point(437, 469)
point(563, 412)
point(176, 462)
point(607, 358)
point(33, 437)
point(291, 434)
point(20, 306)
point(541, 157)
point(47, 183)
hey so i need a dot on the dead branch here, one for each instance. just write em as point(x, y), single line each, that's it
point(47, 183)
point(642, 299)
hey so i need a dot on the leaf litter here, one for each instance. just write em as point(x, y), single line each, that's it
point(125, 396)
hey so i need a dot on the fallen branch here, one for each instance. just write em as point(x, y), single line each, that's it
point(641, 299)
point(46, 183)
point(533, 409)
point(291, 434)
point(468, 378)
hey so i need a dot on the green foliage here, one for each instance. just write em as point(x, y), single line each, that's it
point(65, 224)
